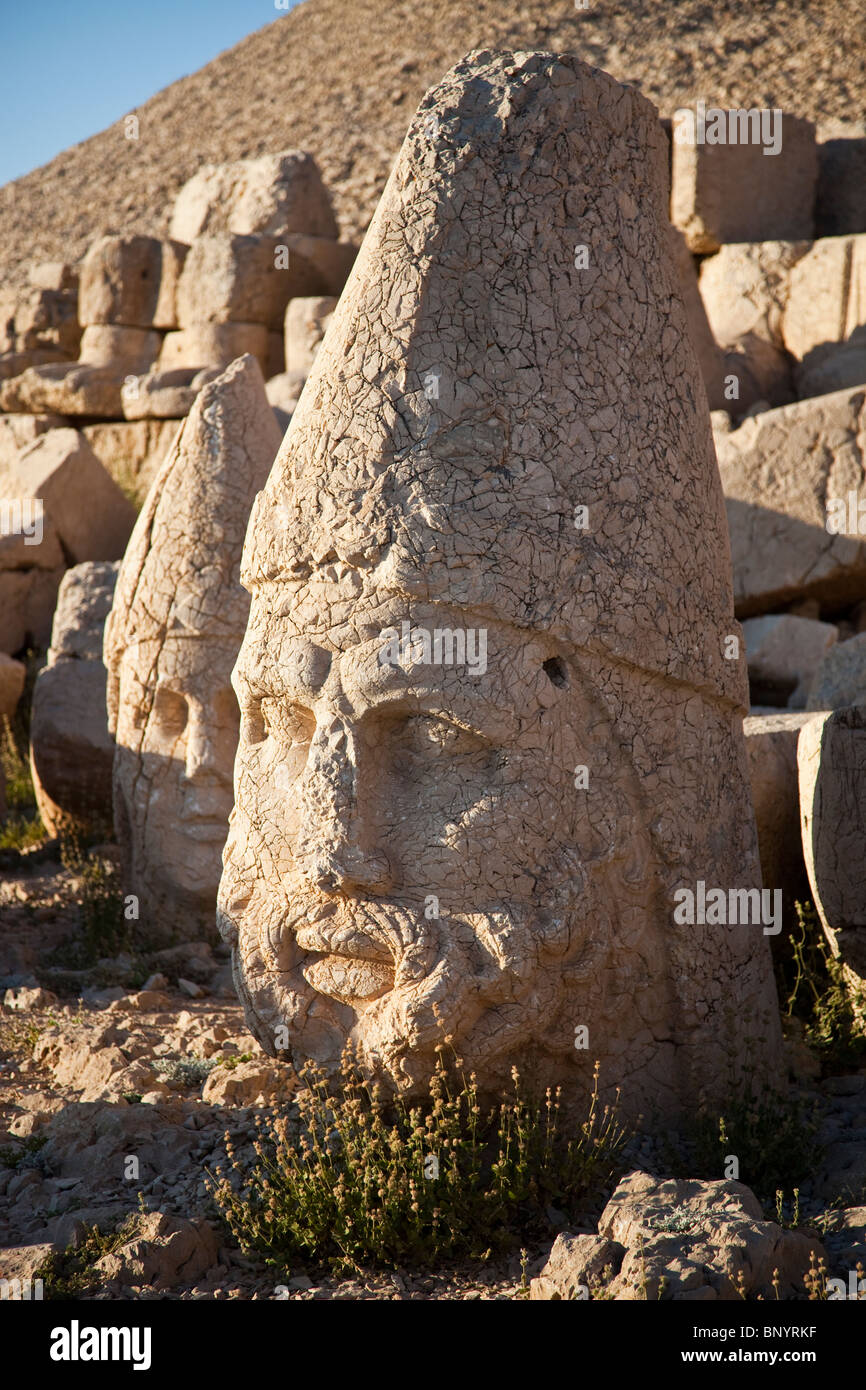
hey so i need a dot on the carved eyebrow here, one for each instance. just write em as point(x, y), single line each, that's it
point(476, 711)
point(300, 675)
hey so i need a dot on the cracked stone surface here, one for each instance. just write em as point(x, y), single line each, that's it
point(414, 851)
point(171, 640)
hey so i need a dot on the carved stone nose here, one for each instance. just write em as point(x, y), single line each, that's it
point(350, 867)
point(334, 840)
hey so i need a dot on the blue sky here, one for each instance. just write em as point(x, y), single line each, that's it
point(68, 70)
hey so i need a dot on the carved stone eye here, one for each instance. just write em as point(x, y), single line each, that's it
point(170, 712)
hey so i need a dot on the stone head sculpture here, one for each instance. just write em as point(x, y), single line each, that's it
point(488, 720)
point(171, 641)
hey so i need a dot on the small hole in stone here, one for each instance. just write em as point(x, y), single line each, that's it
point(556, 670)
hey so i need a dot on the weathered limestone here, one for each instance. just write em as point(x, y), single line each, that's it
point(283, 392)
point(831, 754)
point(92, 517)
point(235, 279)
point(213, 345)
point(251, 279)
point(783, 653)
point(65, 388)
point(305, 324)
point(170, 643)
point(131, 281)
point(53, 275)
point(17, 431)
point(427, 842)
point(113, 345)
point(827, 295)
point(736, 192)
point(779, 471)
point(680, 1241)
point(272, 196)
point(771, 749)
point(841, 677)
point(27, 599)
point(12, 677)
point(165, 395)
point(132, 451)
point(319, 262)
point(745, 288)
point(71, 750)
point(47, 319)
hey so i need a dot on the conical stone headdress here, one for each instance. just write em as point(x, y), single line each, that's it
point(180, 573)
point(511, 348)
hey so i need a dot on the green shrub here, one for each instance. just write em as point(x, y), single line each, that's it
point(69, 1274)
point(186, 1071)
point(773, 1137)
point(350, 1178)
point(23, 826)
point(818, 995)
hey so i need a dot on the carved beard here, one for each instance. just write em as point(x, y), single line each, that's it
point(504, 984)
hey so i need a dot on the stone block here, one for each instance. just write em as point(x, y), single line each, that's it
point(771, 749)
point(65, 388)
point(131, 281)
point(305, 324)
point(780, 471)
point(71, 750)
point(132, 451)
point(841, 678)
point(213, 345)
point(827, 295)
point(115, 345)
point(17, 431)
point(737, 192)
point(271, 195)
point(27, 599)
point(53, 275)
point(91, 514)
point(831, 756)
point(242, 279)
point(783, 653)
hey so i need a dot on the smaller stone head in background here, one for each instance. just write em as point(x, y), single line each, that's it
point(171, 641)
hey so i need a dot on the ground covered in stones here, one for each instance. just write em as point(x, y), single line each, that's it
point(146, 1057)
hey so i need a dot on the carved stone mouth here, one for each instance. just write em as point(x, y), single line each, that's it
point(341, 939)
point(349, 980)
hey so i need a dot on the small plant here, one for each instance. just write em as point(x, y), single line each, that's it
point(815, 1279)
point(352, 1178)
point(230, 1061)
point(12, 1157)
point(781, 1218)
point(186, 1071)
point(104, 929)
point(23, 827)
point(69, 1274)
point(774, 1138)
point(819, 997)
